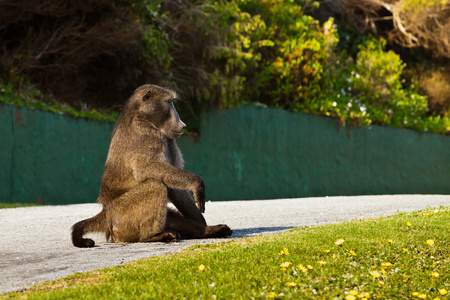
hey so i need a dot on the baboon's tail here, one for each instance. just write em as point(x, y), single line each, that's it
point(94, 224)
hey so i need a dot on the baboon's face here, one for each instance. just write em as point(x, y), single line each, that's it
point(172, 127)
point(158, 108)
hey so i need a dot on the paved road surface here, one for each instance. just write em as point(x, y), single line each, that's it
point(35, 242)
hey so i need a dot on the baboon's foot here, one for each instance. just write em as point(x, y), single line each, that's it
point(171, 237)
point(218, 231)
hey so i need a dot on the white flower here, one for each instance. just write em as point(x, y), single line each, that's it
point(363, 108)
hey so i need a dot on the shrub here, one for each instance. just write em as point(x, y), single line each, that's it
point(435, 84)
point(220, 52)
point(33, 98)
point(83, 52)
point(411, 23)
point(389, 98)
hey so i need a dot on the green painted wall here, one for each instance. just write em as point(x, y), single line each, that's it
point(50, 158)
point(262, 153)
point(247, 153)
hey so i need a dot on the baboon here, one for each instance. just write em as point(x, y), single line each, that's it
point(143, 172)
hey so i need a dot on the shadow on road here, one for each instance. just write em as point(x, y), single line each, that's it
point(237, 233)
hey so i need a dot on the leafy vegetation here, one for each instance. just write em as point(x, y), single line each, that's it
point(274, 52)
point(400, 257)
point(13, 205)
point(33, 98)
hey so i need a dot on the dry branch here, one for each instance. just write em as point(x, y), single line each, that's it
point(413, 24)
point(70, 47)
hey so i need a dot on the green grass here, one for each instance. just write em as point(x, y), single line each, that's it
point(406, 256)
point(13, 205)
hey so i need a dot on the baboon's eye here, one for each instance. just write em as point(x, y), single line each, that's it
point(148, 95)
point(167, 111)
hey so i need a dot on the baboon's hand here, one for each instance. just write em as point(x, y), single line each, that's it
point(199, 196)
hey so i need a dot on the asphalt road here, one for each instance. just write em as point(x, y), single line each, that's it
point(35, 242)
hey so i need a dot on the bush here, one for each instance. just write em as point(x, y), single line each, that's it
point(30, 97)
point(372, 89)
point(292, 50)
point(410, 23)
point(83, 52)
point(390, 99)
point(435, 84)
point(220, 52)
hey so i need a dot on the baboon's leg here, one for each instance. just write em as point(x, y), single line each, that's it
point(139, 215)
point(186, 205)
point(190, 229)
point(187, 228)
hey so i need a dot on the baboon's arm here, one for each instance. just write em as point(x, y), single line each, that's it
point(175, 178)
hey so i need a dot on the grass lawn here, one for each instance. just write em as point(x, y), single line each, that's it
point(406, 256)
point(12, 205)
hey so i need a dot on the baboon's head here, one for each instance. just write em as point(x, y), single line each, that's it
point(155, 107)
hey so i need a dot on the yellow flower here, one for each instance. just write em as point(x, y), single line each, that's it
point(386, 265)
point(390, 242)
point(285, 251)
point(430, 242)
point(339, 242)
point(422, 296)
point(350, 297)
point(443, 292)
point(322, 263)
point(302, 268)
point(285, 265)
point(435, 274)
point(380, 283)
point(326, 251)
point(202, 268)
point(405, 278)
point(408, 224)
point(375, 274)
point(291, 284)
point(405, 250)
point(272, 294)
point(309, 267)
point(365, 295)
point(351, 252)
point(415, 294)
point(353, 293)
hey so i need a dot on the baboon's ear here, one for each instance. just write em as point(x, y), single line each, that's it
point(148, 95)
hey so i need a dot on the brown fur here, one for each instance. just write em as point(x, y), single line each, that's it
point(143, 171)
